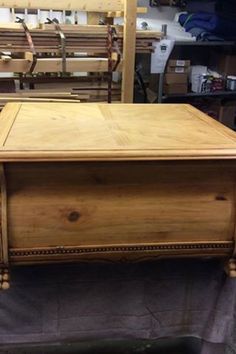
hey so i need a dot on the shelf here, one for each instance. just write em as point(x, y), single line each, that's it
point(193, 95)
point(205, 44)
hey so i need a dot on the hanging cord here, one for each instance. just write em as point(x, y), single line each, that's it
point(62, 42)
point(31, 43)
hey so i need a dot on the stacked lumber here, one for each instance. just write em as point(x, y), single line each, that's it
point(86, 90)
point(88, 39)
point(54, 65)
point(69, 92)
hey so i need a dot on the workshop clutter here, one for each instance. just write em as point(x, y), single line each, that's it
point(181, 77)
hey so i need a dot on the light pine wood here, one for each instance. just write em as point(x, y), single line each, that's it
point(112, 132)
point(41, 94)
point(93, 18)
point(119, 204)
point(7, 120)
point(80, 5)
point(55, 65)
point(129, 48)
point(120, 181)
point(140, 10)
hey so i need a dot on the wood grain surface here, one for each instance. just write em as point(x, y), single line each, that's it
point(99, 181)
point(47, 131)
point(135, 204)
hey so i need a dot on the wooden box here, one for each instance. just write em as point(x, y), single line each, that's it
point(98, 181)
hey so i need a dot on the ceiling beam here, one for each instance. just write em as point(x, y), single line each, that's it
point(79, 5)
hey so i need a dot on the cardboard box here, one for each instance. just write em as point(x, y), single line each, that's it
point(170, 89)
point(178, 69)
point(173, 78)
point(180, 63)
point(227, 114)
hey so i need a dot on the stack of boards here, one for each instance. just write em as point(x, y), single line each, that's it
point(88, 90)
point(86, 39)
point(86, 51)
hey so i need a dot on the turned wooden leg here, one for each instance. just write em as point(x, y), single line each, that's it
point(230, 268)
point(4, 279)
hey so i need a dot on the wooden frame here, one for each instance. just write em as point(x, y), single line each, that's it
point(129, 7)
point(55, 65)
point(129, 51)
point(79, 5)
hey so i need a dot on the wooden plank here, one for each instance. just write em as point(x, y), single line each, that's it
point(93, 18)
point(14, 25)
point(79, 5)
point(110, 204)
point(140, 10)
point(43, 94)
point(55, 65)
point(30, 99)
point(129, 48)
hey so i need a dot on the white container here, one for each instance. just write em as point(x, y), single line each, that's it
point(231, 83)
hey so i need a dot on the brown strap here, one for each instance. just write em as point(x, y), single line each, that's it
point(110, 63)
point(31, 44)
point(63, 43)
point(117, 48)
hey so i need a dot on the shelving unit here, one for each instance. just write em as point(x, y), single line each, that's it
point(128, 8)
point(205, 44)
point(229, 94)
point(194, 44)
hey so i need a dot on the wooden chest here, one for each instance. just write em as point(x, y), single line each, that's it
point(98, 181)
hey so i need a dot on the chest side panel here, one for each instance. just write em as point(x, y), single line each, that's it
point(61, 207)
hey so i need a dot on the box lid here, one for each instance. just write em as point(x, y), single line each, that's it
point(77, 132)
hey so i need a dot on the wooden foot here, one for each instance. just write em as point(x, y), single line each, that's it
point(230, 268)
point(4, 279)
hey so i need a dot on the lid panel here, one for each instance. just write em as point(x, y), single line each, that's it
point(110, 129)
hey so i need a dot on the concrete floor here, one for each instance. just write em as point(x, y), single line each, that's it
point(163, 346)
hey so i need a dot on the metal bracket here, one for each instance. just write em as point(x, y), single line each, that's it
point(63, 43)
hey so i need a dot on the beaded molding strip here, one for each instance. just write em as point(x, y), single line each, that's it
point(14, 253)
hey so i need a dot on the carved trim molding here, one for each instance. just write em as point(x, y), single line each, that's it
point(165, 248)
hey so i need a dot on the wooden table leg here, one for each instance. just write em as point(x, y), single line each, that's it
point(230, 268)
point(4, 279)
